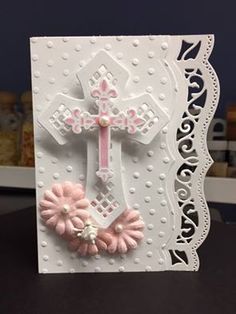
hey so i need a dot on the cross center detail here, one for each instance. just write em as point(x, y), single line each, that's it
point(104, 120)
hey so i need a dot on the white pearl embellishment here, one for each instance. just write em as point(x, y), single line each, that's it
point(119, 228)
point(104, 121)
point(66, 208)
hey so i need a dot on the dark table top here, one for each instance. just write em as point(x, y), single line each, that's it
point(24, 291)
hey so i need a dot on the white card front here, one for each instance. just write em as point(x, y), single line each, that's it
point(121, 156)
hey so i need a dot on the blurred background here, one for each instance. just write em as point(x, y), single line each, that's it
point(21, 20)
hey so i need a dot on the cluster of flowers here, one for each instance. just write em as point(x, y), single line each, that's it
point(64, 209)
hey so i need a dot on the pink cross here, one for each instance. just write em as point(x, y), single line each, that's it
point(105, 120)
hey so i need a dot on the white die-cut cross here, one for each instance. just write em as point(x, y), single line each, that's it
point(105, 120)
point(103, 79)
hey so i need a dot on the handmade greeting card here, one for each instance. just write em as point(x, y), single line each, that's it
point(121, 155)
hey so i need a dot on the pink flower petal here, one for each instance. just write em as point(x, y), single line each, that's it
point(77, 222)
point(51, 197)
point(51, 222)
point(60, 227)
point(46, 214)
point(136, 225)
point(72, 213)
point(101, 244)
point(74, 244)
point(135, 234)
point(112, 247)
point(121, 246)
point(92, 249)
point(83, 248)
point(67, 188)
point(69, 226)
point(57, 190)
point(132, 215)
point(77, 194)
point(105, 236)
point(83, 214)
point(123, 216)
point(130, 242)
point(83, 203)
point(68, 237)
point(44, 204)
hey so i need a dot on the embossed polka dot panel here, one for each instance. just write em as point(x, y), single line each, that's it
point(121, 156)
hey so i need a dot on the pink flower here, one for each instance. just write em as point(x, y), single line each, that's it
point(125, 232)
point(87, 247)
point(63, 208)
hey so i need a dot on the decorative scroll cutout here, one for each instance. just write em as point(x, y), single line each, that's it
point(189, 151)
point(178, 257)
point(189, 50)
point(187, 148)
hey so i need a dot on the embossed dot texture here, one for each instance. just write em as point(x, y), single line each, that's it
point(145, 167)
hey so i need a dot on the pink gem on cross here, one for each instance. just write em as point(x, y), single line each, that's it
point(104, 120)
